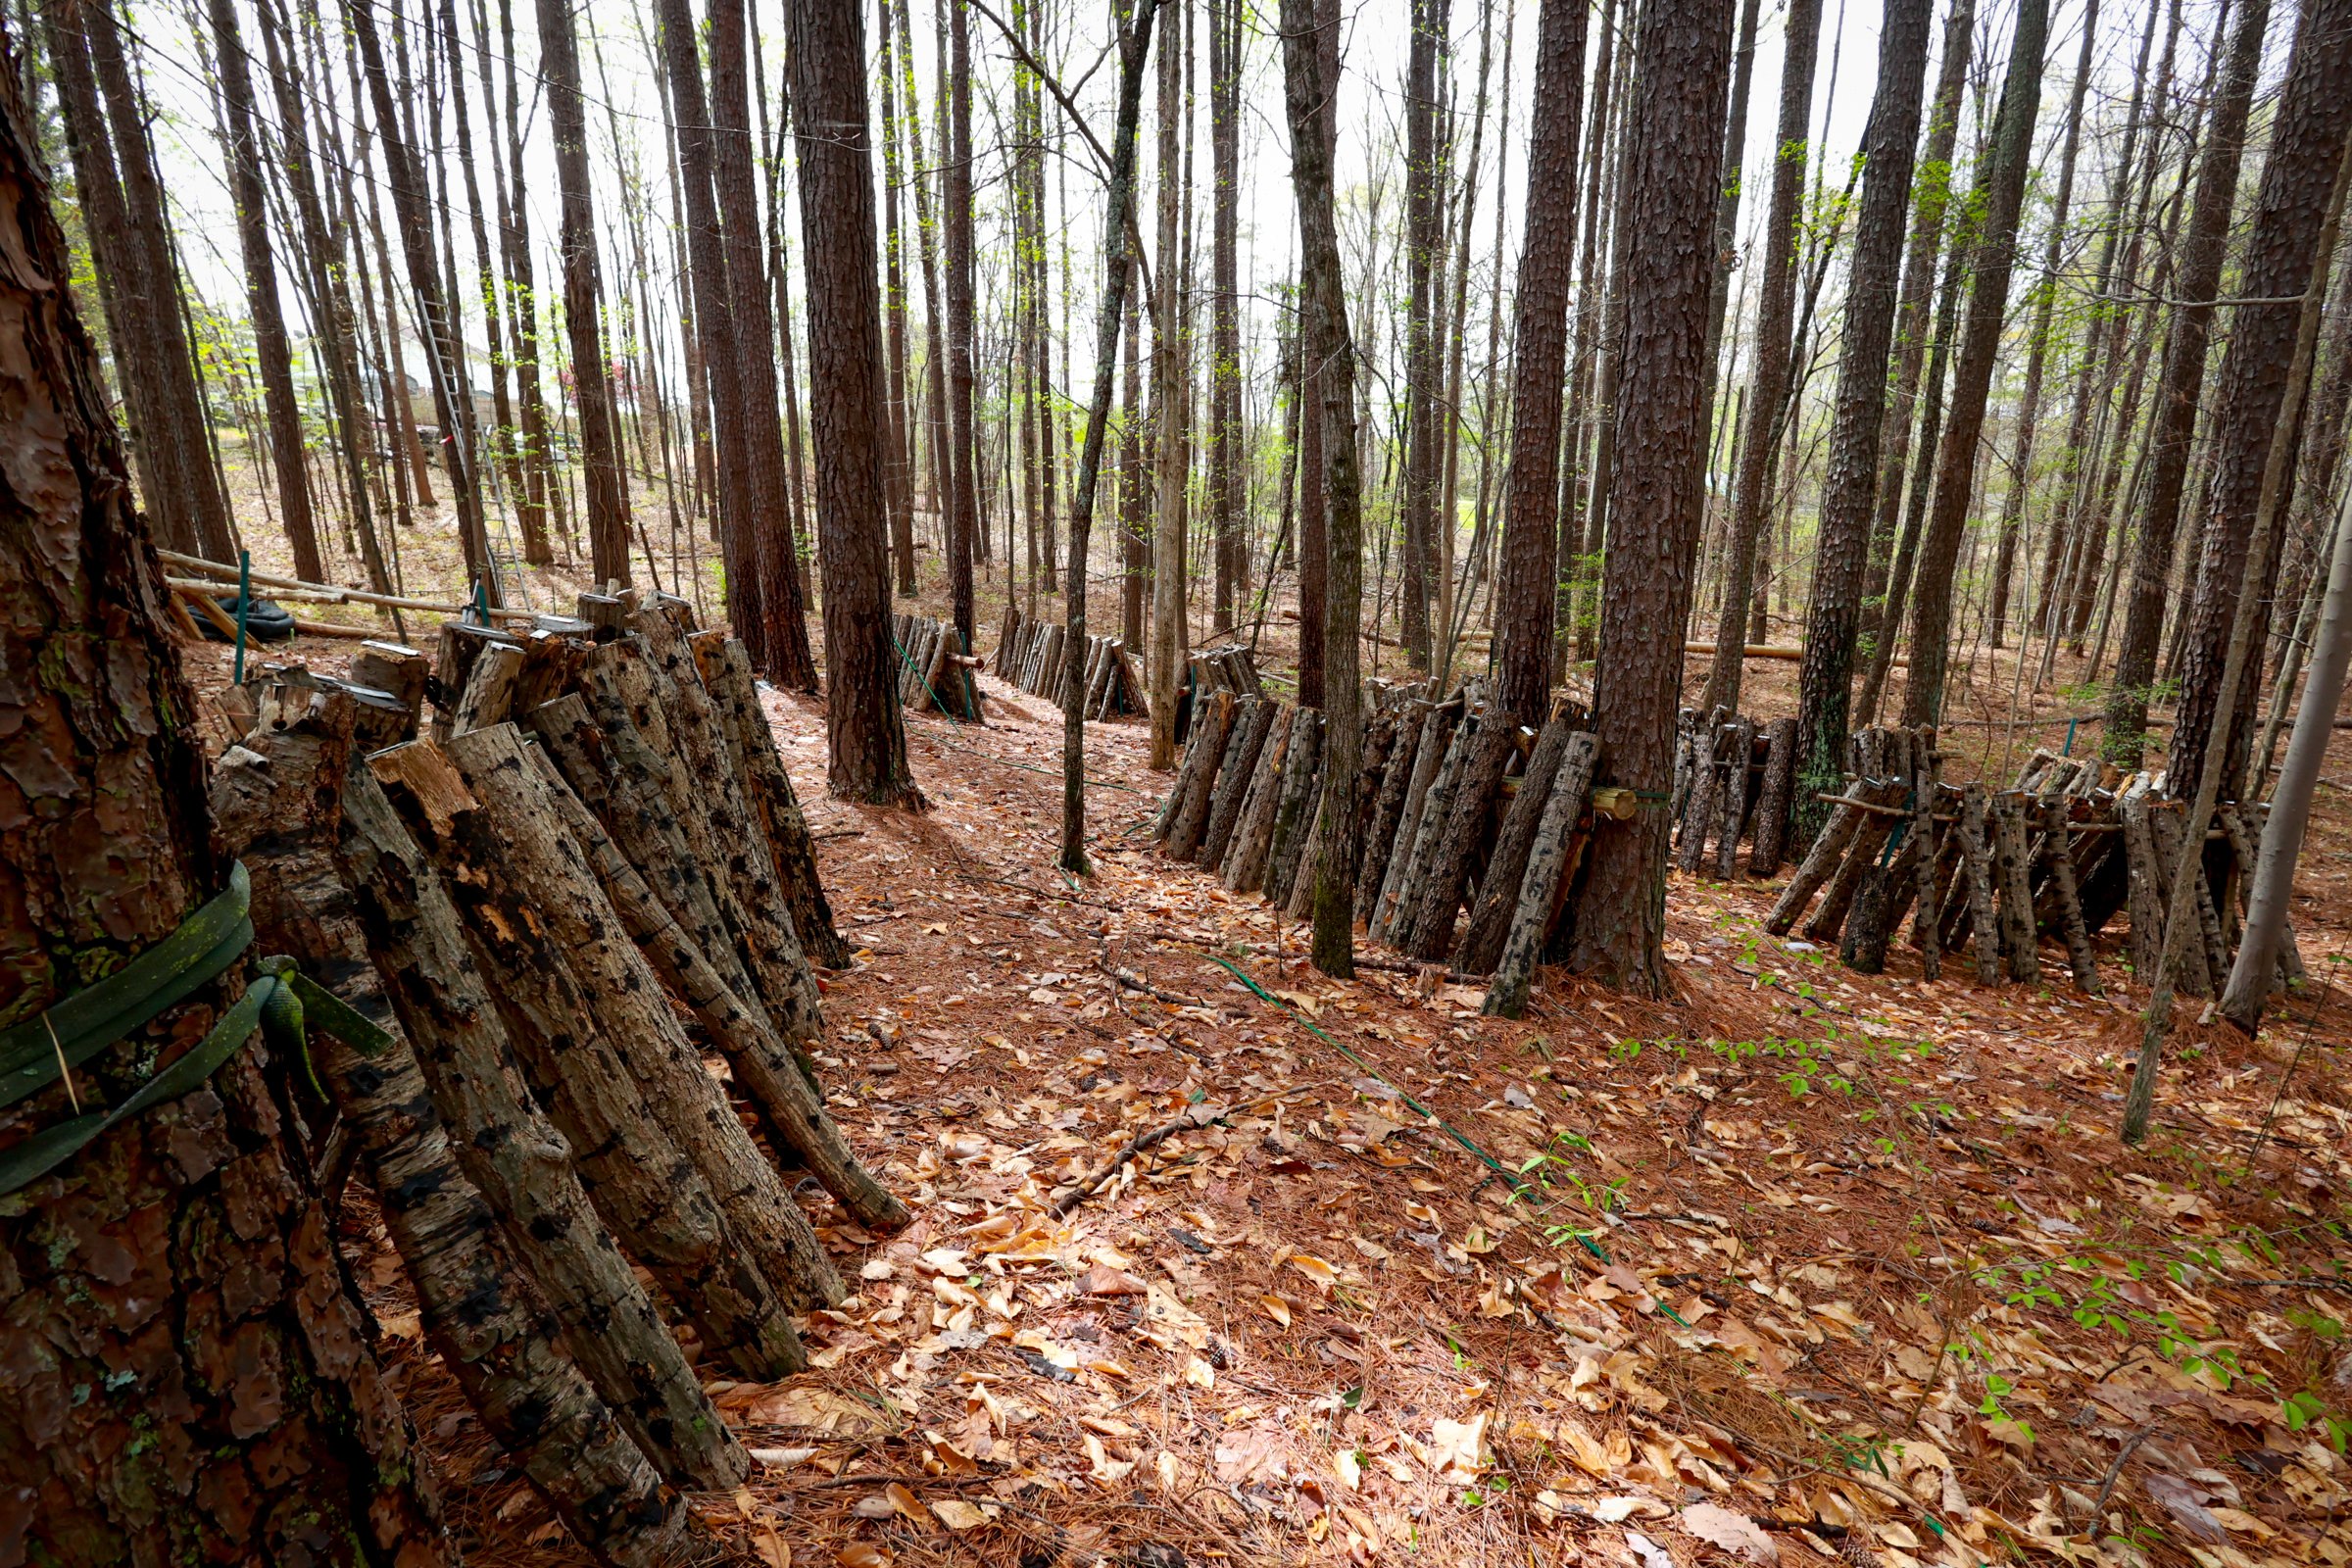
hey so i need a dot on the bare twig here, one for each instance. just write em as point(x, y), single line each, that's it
point(1199, 1115)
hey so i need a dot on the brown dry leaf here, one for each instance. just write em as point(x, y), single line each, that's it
point(908, 1506)
point(959, 1515)
point(1455, 1446)
point(1275, 1307)
point(773, 1552)
point(1101, 1465)
point(866, 1555)
point(1314, 1268)
point(1735, 1533)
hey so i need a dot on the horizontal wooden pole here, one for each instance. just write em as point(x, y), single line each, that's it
point(325, 592)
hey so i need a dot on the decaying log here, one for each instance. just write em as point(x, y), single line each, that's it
point(513, 781)
point(1545, 883)
point(1245, 868)
point(705, 780)
point(1425, 926)
point(1927, 785)
point(280, 808)
point(1388, 803)
point(1733, 792)
point(1212, 730)
point(1301, 783)
point(1864, 947)
point(1698, 804)
point(1976, 855)
point(1869, 838)
point(2016, 896)
point(548, 1192)
point(651, 1186)
point(1300, 900)
point(1499, 889)
point(489, 695)
point(727, 669)
point(2059, 854)
point(1250, 731)
point(1776, 800)
point(1416, 847)
point(1821, 862)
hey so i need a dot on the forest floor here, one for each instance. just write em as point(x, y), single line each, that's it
point(1800, 1264)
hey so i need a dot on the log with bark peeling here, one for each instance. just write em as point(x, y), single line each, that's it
point(1294, 808)
point(652, 1186)
point(1498, 890)
point(1245, 868)
point(1545, 883)
point(1212, 730)
point(1425, 926)
point(727, 675)
point(1434, 769)
point(760, 1060)
point(1251, 728)
point(2059, 854)
point(1976, 855)
point(545, 1190)
point(2011, 876)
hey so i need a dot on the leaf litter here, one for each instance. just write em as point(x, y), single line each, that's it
point(1802, 1265)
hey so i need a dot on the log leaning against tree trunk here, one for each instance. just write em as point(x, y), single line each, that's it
point(1498, 890)
point(279, 799)
point(703, 1241)
point(1550, 863)
point(549, 1194)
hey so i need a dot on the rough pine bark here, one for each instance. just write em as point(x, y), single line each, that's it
point(1769, 385)
point(1307, 92)
point(1524, 586)
point(1834, 612)
point(2000, 188)
point(1682, 75)
point(865, 732)
point(2298, 180)
point(192, 1379)
point(1424, 268)
point(2180, 388)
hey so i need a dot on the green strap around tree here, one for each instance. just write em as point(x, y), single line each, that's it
point(35, 1053)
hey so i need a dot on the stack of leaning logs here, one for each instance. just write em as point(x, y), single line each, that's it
point(1456, 812)
point(1988, 873)
point(1029, 655)
point(1731, 779)
point(536, 917)
point(935, 669)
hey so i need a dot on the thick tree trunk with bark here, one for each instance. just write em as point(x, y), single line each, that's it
point(2180, 388)
point(1768, 388)
point(2298, 184)
point(1685, 50)
point(1525, 581)
point(178, 1271)
point(592, 382)
point(864, 729)
point(2000, 190)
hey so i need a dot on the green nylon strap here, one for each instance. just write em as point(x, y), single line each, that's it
point(1519, 1184)
point(94, 1017)
point(35, 1156)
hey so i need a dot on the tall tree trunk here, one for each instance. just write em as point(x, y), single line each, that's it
point(2045, 300)
point(1524, 609)
point(2180, 387)
point(865, 733)
point(1227, 457)
point(444, 345)
point(758, 345)
point(1308, 94)
point(1834, 612)
point(900, 460)
point(1169, 397)
point(1314, 597)
point(717, 335)
point(2001, 191)
point(2298, 178)
point(270, 343)
point(132, 239)
point(1424, 250)
point(592, 382)
point(1921, 257)
point(1771, 407)
point(1682, 77)
point(178, 1273)
point(964, 436)
point(1572, 571)
point(1118, 273)
point(500, 446)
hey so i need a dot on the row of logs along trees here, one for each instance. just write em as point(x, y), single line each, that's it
point(2167, 299)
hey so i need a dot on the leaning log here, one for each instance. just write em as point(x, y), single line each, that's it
point(1212, 730)
point(280, 807)
point(1425, 928)
point(549, 1192)
point(2010, 871)
point(2059, 853)
point(1302, 780)
point(1776, 800)
point(1545, 883)
point(1976, 855)
point(1499, 889)
point(1245, 865)
point(1250, 731)
point(649, 1185)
